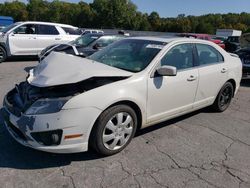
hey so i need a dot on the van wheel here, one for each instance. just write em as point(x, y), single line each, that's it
point(113, 130)
point(3, 54)
point(224, 98)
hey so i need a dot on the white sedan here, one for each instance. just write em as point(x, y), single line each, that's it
point(68, 103)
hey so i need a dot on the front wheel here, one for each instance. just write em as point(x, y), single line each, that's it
point(3, 54)
point(114, 130)
point(224, 98)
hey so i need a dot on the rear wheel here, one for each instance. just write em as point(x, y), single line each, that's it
point(3, 54)
point(114, 130)
point(224, 98)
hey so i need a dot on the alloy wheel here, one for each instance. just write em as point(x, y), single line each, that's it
point(118, 131)
point(2, 55)
point(226, 96)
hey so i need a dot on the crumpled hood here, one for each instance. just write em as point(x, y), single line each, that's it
point(245, 40)
point(59, 69)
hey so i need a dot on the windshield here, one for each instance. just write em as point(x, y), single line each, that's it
point(85, 40)
point(6, 29)
point(129, 54)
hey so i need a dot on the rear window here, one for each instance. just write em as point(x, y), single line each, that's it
point(208, 54)
point(47, 30)
point(72, 31)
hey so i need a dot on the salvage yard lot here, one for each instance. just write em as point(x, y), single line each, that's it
point(202, 149)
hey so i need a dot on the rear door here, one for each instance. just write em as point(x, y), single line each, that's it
point(213, 73)
point(22, 41)
point(47, 35)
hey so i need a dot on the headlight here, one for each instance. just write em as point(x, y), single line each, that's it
point(46, 106)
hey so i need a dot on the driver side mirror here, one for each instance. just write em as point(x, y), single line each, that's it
point(166, 71)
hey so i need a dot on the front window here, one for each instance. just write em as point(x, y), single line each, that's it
point(180, 56)
point(129, 54)
point(26, 29)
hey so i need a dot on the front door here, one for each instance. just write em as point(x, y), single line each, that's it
point(22, 41)
point(170, 96)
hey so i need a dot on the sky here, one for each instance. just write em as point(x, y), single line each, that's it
point(172, 8)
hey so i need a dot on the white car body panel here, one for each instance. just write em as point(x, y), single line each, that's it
point(21, 44)
point(158, 98)
point(61, 120)
point(167, 88)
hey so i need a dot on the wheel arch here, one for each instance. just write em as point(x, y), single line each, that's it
point(233, 82)
point(134, 106)
point(129, 103)
point(4, 47)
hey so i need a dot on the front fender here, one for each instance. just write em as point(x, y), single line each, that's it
point(134, 90)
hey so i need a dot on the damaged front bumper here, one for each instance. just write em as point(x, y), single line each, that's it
point(50, 132)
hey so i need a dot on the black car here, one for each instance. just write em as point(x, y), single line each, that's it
point(83, 46)
point(232, 43)
point(244, 54)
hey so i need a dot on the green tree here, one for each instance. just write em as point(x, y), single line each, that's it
point(122, 14)
point(15, 9)
point(38, 10)
point(85, 16)
point(205, 28)
point(155, 21)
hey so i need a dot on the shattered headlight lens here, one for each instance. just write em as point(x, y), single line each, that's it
point(46, 106)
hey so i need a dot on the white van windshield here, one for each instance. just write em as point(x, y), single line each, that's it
point(6, 29)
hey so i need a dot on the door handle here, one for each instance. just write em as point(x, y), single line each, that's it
point(57, 38)
point(192, 78)
point(224, 70)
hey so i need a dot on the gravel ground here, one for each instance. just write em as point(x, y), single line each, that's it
point(201, 149)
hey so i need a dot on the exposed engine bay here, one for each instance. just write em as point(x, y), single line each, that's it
point(24, 95)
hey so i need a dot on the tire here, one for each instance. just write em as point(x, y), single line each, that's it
point(3, 54)
point(224, 98)
point(113, 130)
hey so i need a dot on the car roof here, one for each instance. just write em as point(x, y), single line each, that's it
point(49, 23)
point(93, 34)
point(103, 34)
point(170, 39)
